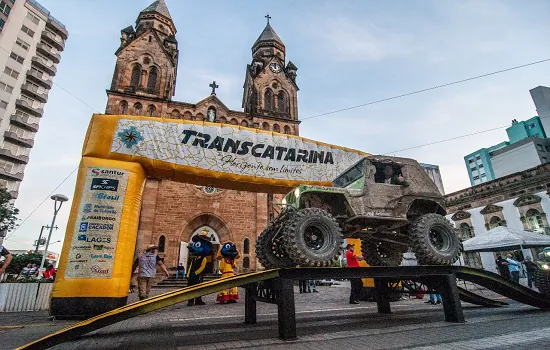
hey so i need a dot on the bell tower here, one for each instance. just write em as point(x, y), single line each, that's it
point(147, 61)
point(270, 88)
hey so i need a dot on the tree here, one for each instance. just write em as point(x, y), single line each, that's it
point(8, 213)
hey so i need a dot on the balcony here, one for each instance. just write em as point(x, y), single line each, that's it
point(23, 122)
point(24, 105)
point(20, 158)
point(14, 138)
point(57, 27)
point(32, 91)
point(53, 40)
point(39, 79)
point(9, 176)
point(50, 68)
point(45, 50)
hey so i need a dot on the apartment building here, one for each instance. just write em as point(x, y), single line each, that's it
point(31, 42)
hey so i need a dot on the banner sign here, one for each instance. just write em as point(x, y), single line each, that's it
point(232, 150)
point(94, 240)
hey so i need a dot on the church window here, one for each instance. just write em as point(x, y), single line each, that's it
point(222, 120)
point(136, 75)
point(151, 110)
point(233, 121)
point(137, 108)
point(162, 244)
point(199, 117)
point(465, 231)
point(123, 107)
point(149, 38)
point(244, 123)
point(495, 222)
point(265, 126)
point(152, 81)
point(286, 129)
point(276, 128)
point(246, 262)
point(281, 102)
point(268, 100)
point(534, 220)
point(246, 248)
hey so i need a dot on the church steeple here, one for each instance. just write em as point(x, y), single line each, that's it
point(269, 43)
point(158, 17)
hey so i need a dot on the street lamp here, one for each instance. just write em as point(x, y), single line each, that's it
point(57, 198)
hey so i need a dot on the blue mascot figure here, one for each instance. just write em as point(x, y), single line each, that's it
point(227, 256)
point(201, 250)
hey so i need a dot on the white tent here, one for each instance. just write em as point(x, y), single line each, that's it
point(505, 238)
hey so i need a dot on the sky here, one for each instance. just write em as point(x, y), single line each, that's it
point(348, 53)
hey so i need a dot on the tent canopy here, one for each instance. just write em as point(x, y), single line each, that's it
point(505, 238)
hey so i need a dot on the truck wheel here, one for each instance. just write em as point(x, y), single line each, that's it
point(434, 240)
point(377, 253)
point(271, 253)
point(313, 237)
point(542, 281)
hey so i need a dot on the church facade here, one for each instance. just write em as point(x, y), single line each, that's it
point(144, 83)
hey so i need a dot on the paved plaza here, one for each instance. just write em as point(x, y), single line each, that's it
point(324, 321)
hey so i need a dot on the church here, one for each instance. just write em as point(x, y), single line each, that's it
point(144, 82)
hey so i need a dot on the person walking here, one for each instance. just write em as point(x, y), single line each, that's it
point(147, 263)
point(530, 267)
point(513, 266)
point(356, 283)
point(435, 299)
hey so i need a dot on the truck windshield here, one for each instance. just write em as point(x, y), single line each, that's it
point(350, 176)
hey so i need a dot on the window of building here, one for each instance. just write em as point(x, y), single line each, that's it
point(246, 262)
point(7, 166)
point(28, 31)
point(534, 220)
point(136, 76)
point(162, 243)
point(471, 160)
point(268, 100)
point(276, 128)
point(265, 126)
point(495, 222)
point(11, 72)
point(3, 104)
point(17, 58)
point(29, 100)
point(2, 22)
point(37, 72)
point(23, 44)
point(286, 129)
point(476, 177)
point(152, 81)
point(151, 110)
point(5, 8)
point(547, 148)
point(137, 108)
point(48, 45)
point(30, 83)
point(465, 231)
point(33, 18)
point(482, 175)
point(478, 157)
point(6, 87)
point(123, 107)
point(531, 126)
point(246, 246)
point(281, 102)
point(480, 166)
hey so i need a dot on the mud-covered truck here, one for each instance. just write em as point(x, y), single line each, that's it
point(542, 273)
point(390, 203)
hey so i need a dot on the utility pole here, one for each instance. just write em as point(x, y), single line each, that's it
point(58, 199)
point(40, 237)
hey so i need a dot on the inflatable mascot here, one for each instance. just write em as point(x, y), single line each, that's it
point(227, 256)
point(201, 250)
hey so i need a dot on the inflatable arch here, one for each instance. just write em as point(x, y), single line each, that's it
point(121, 151)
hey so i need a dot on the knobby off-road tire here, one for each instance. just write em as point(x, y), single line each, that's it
point(434, 240)
point(312, 238)
point(377, 253)
point(542, 281)
point(269, 253)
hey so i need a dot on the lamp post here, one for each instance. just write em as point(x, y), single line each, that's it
point(57, 198)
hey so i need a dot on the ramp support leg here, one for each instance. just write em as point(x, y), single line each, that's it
point(451, 299)
point(250, 304)
point(286, 309)
point(382, 295)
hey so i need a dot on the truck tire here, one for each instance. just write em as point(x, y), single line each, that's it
point(269, 253)
point(313, 238)
point(542, 281)
point(434, 240)
point(381, 254)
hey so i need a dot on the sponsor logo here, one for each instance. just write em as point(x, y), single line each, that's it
point(90, 239)
point(107, 197)
point(81, 247)
point(98, 172)
point(98, 270)
point(83, 227)
point(104, 209)
point(87, 208)
point(94, 226)
point(104, 184)
point(78, 256)
point(101, 256)
point(76, 267)
point(81, 237)
point(102, 247)
point(101, 218)
point(78, 261)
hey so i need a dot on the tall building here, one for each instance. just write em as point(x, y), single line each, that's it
point(31, 42)
point(435, 174)
point(144, 82)
point(479, 166)
point(525, 154)
point(541, 99)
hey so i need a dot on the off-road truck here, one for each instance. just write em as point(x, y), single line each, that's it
point(388, 218)
point(542, 273)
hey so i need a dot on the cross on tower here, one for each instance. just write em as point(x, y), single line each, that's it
point(268, 18)
point(214, 87)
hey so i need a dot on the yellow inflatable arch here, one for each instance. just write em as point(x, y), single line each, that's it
point(121, 151)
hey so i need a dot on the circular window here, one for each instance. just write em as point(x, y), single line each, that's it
point(146, 60)
point(208, 189)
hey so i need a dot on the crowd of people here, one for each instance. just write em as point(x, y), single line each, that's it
point(510, 268)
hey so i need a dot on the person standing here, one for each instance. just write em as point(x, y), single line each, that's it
point(513, 266)
point(5, 253)
point(356, 283)
point(302, 285)
point(313, 286)
point(50, 272)
point(502, 266)
point(147, 263)
point(180, 270)
point(530, 267)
